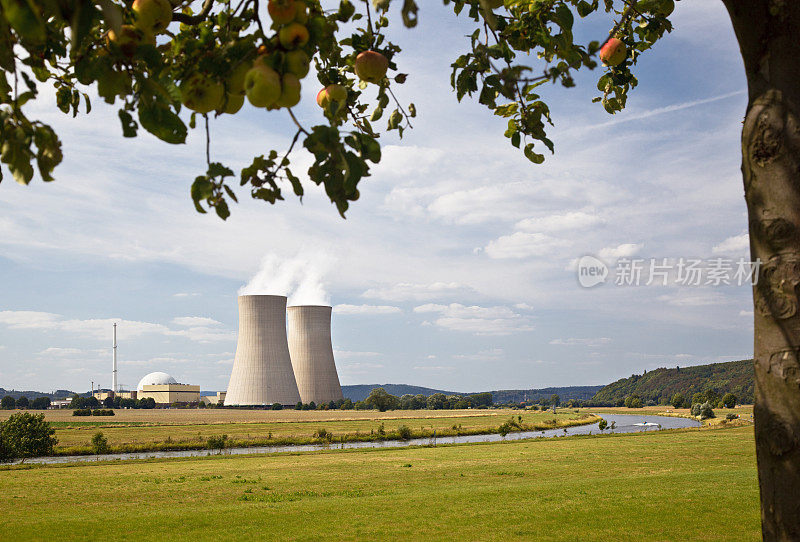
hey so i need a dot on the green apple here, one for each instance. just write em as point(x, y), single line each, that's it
point(300, 12)
point(336, 93)
point(371, 66)
point(297, 62)
point(233, 104)
point(236, 78)
point(152, 15)
point(290, 91)
point(293, 35)
point(281, 11)
point(262, 85)
point(202, 93)
point(129, 39)
point(613, 53)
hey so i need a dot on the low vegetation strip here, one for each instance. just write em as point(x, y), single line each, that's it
point(322, 435)
point(669, 485)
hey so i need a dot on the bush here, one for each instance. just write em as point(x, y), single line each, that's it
point(6, 453)
point(731, 416)
point(102, 412)
point(695, 410)
point(217, 442)
point(706, 411)
point(602, 424)
point(677, 400)
point(729, 400)
point(323, 434)
point(28, 435)
point(404, 432)
point(82, 412)
point(8, 403)
point(299, 405)
point(277, 406)
point(100, 444)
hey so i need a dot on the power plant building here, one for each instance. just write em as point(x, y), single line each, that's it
point(262, 369)
point(311, 352)
point(165, 390)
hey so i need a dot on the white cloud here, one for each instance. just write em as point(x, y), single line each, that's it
point(195, 321)
point(575, 220)
point(349, 354)
point(366, 309)
point(745, 313)
point(525, 245)
point(406, 291)
point(434, 368)
point(574, 341)
point(475, 319)
point(102, 328)
point(186, 294)
point(625, 250)
point(738, 245)
point(61, 352)
point(693, 298)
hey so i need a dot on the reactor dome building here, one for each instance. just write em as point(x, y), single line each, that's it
point(311, 352)
point(262, 369)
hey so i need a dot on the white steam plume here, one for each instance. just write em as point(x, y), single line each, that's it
point(300, 278)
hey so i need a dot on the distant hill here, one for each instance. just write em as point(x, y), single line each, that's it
point(16, 394)
point(659, 385)
point(577, 393)
point(359, 392)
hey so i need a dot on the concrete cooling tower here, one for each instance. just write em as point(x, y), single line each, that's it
point(262, 371)
point(312, 353)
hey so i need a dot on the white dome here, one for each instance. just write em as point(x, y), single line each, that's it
point(155, 379)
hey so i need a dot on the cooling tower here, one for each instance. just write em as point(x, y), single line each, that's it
point(312, 353)
point(262, 371)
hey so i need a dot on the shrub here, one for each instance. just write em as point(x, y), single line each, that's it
point(695, 410)
point(729, 400)
point(102, 412)
point(323, 434)
point(706, 411)
point(677, 400)
point(731, 416)
point(82, 412)
point(217, 442)
point(381, 429)
point(100, 444)
point(299, 405)
point(277, 406)
point(28, 435)
point(404, 432)
point(602, 424)
point(505, 429)
point(6, 453)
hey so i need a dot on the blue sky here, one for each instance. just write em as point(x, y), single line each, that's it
point(455, 269)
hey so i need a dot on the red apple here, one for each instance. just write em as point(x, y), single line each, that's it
point(613, 53)
point(371, 66)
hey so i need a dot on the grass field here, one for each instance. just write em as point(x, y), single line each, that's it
point(139, 430)
point(669, 485)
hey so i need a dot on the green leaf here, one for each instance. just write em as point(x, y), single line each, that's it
point(158, 119)
point(532, 156)
point(202, 189)
point(129, 126)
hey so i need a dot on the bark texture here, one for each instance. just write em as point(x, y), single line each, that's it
point(768, 32)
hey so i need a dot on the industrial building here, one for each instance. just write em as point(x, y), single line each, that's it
point(165, 390)
point(311, 353)
point(262, 369)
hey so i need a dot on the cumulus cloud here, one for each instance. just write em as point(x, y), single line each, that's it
point(101, 328)
point(575, 220)
point(738, 245)
point(497, 320)
point(525, 245)
point(625, 250)
point(406, 291)
point(366, 309)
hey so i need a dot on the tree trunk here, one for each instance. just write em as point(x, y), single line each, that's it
point(768, 32)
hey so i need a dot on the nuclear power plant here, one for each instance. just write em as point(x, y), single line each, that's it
point(311, 352)
point(273, 367)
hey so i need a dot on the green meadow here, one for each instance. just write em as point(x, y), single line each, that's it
point(668, 485)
